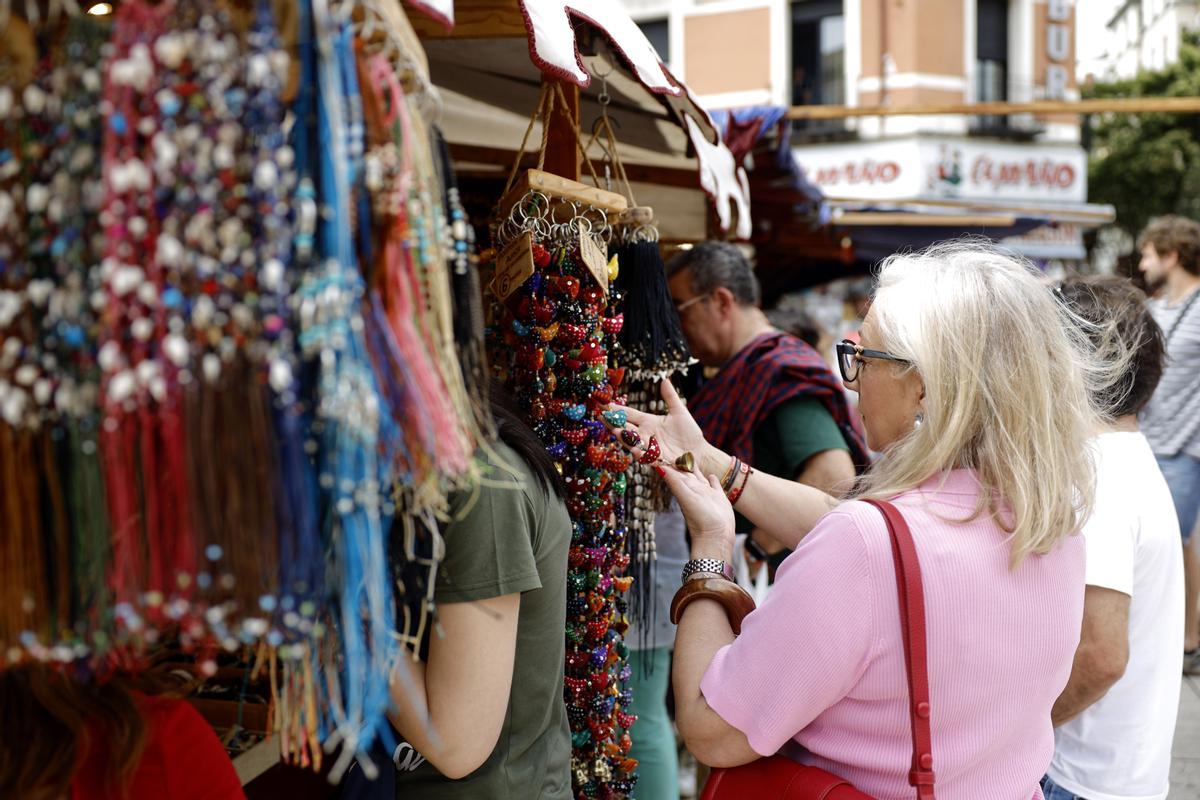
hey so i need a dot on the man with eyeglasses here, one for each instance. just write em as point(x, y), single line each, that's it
point(773, 401)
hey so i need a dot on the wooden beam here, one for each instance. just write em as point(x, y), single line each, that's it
point(562, 144)
point(1124, 105)
point(474, 19)
point(858, 218)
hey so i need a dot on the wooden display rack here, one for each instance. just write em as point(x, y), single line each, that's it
point(557, 187)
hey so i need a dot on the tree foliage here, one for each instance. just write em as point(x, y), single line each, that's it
point(1148, 164)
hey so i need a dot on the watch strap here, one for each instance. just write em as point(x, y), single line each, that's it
point(707, 565)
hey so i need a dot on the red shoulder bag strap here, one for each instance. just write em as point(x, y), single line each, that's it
point(912, 625)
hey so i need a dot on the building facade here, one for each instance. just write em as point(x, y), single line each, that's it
point(736, 53)
point(1144, 35)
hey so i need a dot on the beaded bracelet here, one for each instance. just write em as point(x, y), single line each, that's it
point(729, 477)
point(736, 494)
point(741, 468)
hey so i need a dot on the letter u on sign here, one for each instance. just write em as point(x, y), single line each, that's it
point(1058, 42)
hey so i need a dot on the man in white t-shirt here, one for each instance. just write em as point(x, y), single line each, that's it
point(1115, 719)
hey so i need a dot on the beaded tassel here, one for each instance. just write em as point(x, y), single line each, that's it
point(207, 419)
point(353, 477)
point(654, 349)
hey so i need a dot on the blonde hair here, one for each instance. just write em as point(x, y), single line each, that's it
point(1007, 370)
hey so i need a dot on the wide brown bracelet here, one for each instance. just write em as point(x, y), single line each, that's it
point(736, 601)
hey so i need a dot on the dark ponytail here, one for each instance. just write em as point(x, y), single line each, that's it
point(516, 434)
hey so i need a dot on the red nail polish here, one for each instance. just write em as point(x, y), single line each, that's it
point(662, 473)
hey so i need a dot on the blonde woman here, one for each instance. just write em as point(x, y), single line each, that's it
point(975, 389)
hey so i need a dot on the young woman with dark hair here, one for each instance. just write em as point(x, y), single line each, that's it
point(483, 715)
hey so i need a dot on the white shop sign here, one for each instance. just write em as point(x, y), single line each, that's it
point(947, 168)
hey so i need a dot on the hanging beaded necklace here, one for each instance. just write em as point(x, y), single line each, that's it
point(349, 412)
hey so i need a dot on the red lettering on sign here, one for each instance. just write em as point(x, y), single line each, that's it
point(1032, 173)
point(857, 172)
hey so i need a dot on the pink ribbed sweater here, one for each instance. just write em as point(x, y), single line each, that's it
point(821, 662)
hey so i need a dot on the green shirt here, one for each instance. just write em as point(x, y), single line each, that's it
point(792, 433)
point(511, 536)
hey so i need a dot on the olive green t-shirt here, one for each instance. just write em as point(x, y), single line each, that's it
point(511, 536)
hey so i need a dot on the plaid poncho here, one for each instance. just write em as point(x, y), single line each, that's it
point(774, 368)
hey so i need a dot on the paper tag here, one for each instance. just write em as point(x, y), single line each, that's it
point(514, 265)
point(594, 259)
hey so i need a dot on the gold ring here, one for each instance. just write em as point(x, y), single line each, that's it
point(686, 462)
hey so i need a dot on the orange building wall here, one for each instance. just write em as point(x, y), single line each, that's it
point(728, 52)
point(921, 37)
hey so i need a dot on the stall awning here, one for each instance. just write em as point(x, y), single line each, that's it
point(489, 71)
point(878, 228)
point(948, 213)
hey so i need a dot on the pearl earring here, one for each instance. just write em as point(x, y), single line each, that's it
point(918, 420)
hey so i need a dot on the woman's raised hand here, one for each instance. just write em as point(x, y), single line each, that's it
point(675, 433)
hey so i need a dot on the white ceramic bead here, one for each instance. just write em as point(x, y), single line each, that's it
point(122, 386)
point(142, 329)
point(109, 356)
point(176, 349)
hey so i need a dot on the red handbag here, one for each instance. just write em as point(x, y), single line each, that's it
point(778, 777)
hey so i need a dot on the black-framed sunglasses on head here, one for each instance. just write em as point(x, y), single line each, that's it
point(850, 357)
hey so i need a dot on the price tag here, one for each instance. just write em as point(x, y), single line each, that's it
point(594, 259)
point(514, 265)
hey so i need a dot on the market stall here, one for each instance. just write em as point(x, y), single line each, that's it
point(242, 343)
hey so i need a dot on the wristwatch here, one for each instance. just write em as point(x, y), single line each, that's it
point(712, 565)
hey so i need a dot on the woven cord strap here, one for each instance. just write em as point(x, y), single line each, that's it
point(912, 625)
point(552, 95)
point(540, 113)
point(604, 126)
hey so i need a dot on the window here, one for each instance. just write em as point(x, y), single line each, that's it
point(658, 31)
point(991, 50)
point(818, 53)
point(991, 59)
point(818, 59)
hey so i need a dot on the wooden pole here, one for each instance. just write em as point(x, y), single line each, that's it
point(562, 151)
point(1124, 105)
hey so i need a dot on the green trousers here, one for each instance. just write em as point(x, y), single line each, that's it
point(653, 734)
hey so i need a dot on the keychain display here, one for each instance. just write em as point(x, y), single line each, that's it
point(552, 338)
point(553, 330)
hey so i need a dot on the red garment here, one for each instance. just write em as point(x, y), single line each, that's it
point(183, 760)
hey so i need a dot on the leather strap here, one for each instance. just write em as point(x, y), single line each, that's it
point(736, 601)
point(912, 625)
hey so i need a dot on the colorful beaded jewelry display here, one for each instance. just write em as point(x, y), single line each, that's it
point(552, 339)
point(225, 356)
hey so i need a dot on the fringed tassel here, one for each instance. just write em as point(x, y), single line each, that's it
point(90, 545)
point(57, 535)
point(654, 348)
point(652, 336)
point(467, 297)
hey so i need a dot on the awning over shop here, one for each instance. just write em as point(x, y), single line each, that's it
point(1038, 231)
point(489, 71)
